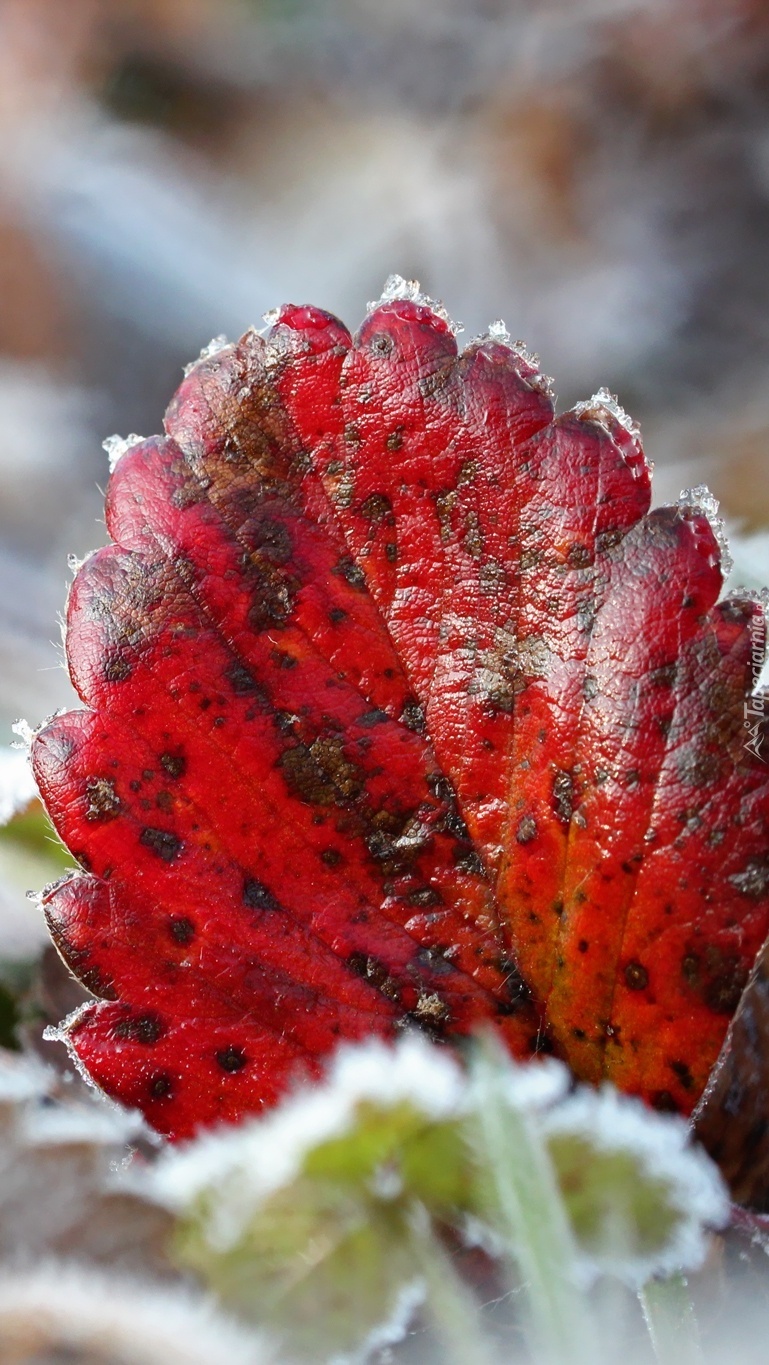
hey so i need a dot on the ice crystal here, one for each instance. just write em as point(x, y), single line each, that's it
point(397, 288)
point(700, 499)
point(116, 447)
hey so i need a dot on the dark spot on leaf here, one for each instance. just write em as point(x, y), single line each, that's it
point(753, 881)
point(271, 538)
point(583, 945)
point(371, 969)
point(663, 1101)
point(425, 896)
point(162, 843)
point(382, 344)
point(351, 572)
point(579, 556)
point(117, 668)
point(331, 857)
point(636, 976)
point(240, 680)
point(231, 1058)
point(161, 1086)
point(182, 929)
point(257, 896)
point(272, 602)
point(681, 1070)
point(563, 796)
point(376, 507)
point(372, 718)
point(527, 829)
point(139, 1028)
point(174, 764)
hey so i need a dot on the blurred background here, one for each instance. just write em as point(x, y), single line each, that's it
point(595, 172)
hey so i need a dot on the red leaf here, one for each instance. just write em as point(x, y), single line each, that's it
point(399, 697)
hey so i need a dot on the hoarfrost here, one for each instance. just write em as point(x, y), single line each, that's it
point(116, 447)
point(397, 288)
point(612, 1123)
point(410, 1297)
point(248, 1164)
point(499, 334)
point(215, 345)
point(700, 499)
point(17, 785)
point(26, 734)
point(605, 405)
point(63, 1311)
point(536, 1086)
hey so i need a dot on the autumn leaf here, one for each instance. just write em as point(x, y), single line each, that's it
point(402, 710)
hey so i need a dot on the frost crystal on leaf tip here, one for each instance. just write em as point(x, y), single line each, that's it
point(499, 334)
point(700, 499)
point(604, 404)
point(610, 1123)
point(215, 345)
point(397, 288)
point(116, 447)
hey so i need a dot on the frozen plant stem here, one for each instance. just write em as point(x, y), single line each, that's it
point(450, 1305)
point(667, 1308)
point(534, 1224)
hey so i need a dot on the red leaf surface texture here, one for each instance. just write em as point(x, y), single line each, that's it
point(401, 710)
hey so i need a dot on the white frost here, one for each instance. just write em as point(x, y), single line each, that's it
point(605, 405)
point(17, 785)
point(116, 447)
point(700, 499)
point(249, 1163)
point(398, 288)
point(215, 345)
point(661, 1144)
point(499, 334)
point(76, 1312)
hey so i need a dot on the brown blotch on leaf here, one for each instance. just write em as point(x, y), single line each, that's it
point(174, 764)
point(103, 800)
point(241, 681)
point(753, 881)
point(117, 668)
point(321, 774)
point(351, 572)
point(162, 843)
point(371, 969)
point(377, 508)
point(527, 829)
point(272, 602)
point(145, 1028)
point(563, 796)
